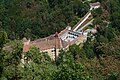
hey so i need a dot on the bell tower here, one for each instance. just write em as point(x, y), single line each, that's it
point(55, 49)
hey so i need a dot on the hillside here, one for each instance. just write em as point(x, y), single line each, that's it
point(96, 58)
point(39, 18)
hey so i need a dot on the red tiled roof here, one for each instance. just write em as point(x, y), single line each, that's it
point(50, 42)
point(26, 48)
point(62, 32)
point(46, 43)
point(95, 4)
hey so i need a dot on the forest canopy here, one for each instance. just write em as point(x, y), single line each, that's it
point(39, 18)
point(96, 59)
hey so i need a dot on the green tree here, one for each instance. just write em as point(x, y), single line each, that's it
point(65, 57)
point(35, 71)
point(68, 68)
point(89, 48)
point(3, 39)
point(11, 57)
point(37, 57)
point(97, 12)
point(40, 67)
point(71, 72)
point(75, 50)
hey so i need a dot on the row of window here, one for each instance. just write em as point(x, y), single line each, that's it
point(73, 34)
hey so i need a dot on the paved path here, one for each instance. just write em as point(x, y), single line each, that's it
point(90, 22)
point(81, 21)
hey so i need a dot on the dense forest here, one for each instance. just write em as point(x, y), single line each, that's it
point(39, 18)
point(97, 59)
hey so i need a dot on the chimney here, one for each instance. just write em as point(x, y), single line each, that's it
point(27, 42)
point(68, 27)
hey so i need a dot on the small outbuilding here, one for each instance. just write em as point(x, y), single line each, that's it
point(94, 5)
